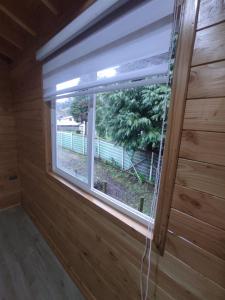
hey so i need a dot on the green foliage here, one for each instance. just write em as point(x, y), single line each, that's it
point(79, 108)
point(141, 177)
point(132, 118)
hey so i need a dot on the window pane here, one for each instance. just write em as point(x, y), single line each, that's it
point(72, 130)
point(127, 137)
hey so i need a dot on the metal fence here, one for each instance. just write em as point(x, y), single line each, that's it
point(142, 162)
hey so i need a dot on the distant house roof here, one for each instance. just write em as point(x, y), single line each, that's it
point(67, 121)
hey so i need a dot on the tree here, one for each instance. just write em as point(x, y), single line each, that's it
point(132, 118)
point(79, 110)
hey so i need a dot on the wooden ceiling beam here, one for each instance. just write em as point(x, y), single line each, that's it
point(16, 14)
point(8, 50)
point(10, 32)
point(4, 59)
point(51, 6)
point(10, 40)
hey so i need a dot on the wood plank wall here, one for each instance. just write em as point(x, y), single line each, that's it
point(9, 179)
point(99, 254)
point(197, 221)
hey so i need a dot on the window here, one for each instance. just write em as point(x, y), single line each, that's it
point(107, 94)
point(107, 143)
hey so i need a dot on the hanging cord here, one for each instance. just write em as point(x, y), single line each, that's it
point(144, 282)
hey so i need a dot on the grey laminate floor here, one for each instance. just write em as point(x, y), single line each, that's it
point(28, 268)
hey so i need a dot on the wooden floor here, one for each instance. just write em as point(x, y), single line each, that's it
point(28, 268)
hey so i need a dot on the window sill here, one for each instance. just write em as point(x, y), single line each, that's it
point(134, 228)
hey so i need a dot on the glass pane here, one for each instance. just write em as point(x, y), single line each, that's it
point(72, 130)
point(127, 137)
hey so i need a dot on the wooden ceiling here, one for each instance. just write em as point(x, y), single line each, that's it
point(27, 23)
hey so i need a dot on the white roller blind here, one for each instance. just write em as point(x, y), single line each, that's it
point(132, 47)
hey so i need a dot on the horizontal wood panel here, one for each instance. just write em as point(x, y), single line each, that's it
point(194, 283)
point(211, 12)
point(29, 115)
point(205, 114)
point(201, 176)
point(207, 81)
point(24, 106)
point(71, 253)
point(190, 288)
point(9, 181)
point(205, 236)
point(198, 259)
point(86, 210)
point(203, 206)
point(104, 246)
point(95, 247)
point(209, 45)
point(8, 199)
point(203, 146)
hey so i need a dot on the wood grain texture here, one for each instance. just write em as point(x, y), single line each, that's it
point(205, 236)
point(175, 121)
point(98, 251)
point(7, 49)
point(203, 206)
point(198, 259)
point(207, 81)
point(36, 275)
point(211, 12)
point(199, 145)
point(201, 176)
point(209, 45)
point(205, 114)
point(9, 178)
point(193, 284)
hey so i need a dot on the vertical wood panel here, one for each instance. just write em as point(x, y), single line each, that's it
point(175, 120)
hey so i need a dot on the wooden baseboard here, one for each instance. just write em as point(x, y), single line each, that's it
point(84, 290)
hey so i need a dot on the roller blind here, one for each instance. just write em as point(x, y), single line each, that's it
point(133, 47)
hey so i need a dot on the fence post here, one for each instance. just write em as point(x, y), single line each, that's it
point(104, 188)
point(71, 140)
point(151, 166)
point(98, 147)
point(122, 158)
point(141, 204)
point(83, 143)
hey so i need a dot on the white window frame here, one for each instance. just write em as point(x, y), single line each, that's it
point(88, 187)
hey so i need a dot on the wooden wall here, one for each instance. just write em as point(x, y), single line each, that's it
point(197, 220)
point(9, 182)
point(100, 254)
